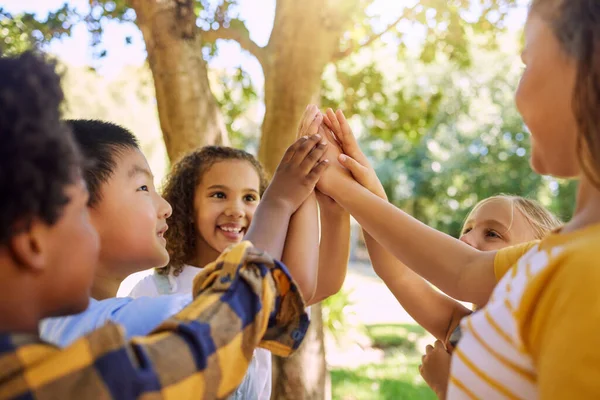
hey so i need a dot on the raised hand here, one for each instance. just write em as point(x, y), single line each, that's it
point(353, 159)
point(311, 122)
point(435, 368)
point(298, 172)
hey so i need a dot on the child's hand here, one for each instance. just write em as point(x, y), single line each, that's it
point(298, 172)
point(310, 122)
point(435, 368)
point(353, 158)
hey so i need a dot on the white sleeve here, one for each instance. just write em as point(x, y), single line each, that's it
point(138, 285)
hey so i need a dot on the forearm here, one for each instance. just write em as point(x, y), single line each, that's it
point(240, 291)
point(269, 226)
point(334, 251)
point(301, 251)
point(434, 311)
point(459, 270)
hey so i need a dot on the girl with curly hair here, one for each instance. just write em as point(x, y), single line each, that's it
point(214, 192)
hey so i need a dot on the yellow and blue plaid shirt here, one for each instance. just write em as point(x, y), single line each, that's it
point(243, 300)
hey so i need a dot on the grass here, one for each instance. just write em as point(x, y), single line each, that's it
point(395, 378)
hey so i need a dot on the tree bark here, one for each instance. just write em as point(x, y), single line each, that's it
point(303, 376)
point(305, 38)
point(188, 112)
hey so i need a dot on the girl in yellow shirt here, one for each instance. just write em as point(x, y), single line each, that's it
point(535, 337)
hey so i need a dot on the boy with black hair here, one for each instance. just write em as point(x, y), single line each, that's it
point(48, 251)
point(130, 218)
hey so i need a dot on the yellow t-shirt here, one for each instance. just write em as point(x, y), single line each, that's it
point(536, 337)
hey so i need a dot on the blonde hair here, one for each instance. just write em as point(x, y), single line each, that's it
point(539, 218)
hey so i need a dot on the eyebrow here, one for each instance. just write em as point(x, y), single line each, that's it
point(223, 187)
point(137, 170)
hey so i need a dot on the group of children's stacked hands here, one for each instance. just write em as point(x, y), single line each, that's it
point(233, 273)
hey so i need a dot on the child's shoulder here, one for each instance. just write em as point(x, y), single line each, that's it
point(138, 285)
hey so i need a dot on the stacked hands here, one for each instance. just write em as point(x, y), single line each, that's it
point(325, 154)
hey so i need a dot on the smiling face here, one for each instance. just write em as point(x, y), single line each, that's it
point(224, 204)
point(496, 224)
point(131, 218)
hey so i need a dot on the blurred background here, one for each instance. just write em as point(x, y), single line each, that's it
point(428, 86)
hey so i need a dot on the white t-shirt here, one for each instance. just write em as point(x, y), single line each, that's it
point(257, 382)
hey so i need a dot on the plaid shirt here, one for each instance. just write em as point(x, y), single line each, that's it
point(242, 300)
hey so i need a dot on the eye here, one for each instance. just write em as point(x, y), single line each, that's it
point(466, 230)
point(218, 195)
point(250, 198)
point(143, 188)
point(492, 234)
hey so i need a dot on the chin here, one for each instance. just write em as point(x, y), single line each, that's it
point(554, 168)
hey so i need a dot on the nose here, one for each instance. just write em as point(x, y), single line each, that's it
point(235, 209)
point(468, 239)
point(164, 208)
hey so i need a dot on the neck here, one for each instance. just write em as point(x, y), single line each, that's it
point(587, 209)
point(204, 255)
point(20, 308)
point(105, 287)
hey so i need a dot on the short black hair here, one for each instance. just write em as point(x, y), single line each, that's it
point(101, 143)
point(38, 157)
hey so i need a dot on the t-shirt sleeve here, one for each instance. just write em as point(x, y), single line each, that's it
point(559, 321)
point(506, 258)
point(143, 287)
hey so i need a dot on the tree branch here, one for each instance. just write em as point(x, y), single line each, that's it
point(354, 47)
point(237, 31)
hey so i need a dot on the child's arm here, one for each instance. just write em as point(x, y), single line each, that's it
point(434, 311)
point(243, 300)
point(319, 270)
point(457, 269)
point(334, 249)
point(301, 251)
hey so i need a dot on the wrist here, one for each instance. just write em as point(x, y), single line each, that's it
point(272, 202)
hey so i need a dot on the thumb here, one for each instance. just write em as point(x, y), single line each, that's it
point(356, 169)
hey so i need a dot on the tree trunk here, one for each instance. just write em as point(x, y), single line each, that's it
point(305, 38)
point(303, 376)
point(188, 112)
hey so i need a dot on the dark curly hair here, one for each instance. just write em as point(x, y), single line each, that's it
point(38, 157)
point(576, 25)
point(100, 143)
point(179, 191)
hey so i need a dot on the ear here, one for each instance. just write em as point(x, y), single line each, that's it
point(29, 247)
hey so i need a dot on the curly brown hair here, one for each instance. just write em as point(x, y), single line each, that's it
point(179, 191)
point(575, 24)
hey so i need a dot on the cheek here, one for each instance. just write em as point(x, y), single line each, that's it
point(206, 216)
point(250, 212)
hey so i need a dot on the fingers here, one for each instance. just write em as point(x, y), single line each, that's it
point(310, 113)
point(289, 153)
point(313, 157)
point(335, 124)
point(359, 172)
point(326, 120)
point(303, 146)
point(329, 136)
point(428, 349)
point(315, 174)
point(314, 125)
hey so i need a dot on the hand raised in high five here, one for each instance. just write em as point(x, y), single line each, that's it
point(311, 122)
point(298, 172)
point(353, 158)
